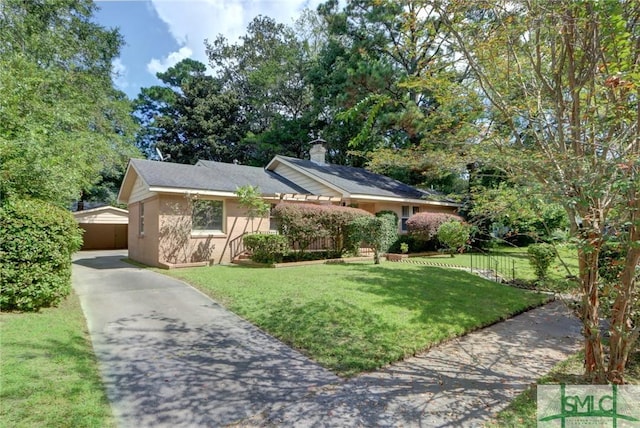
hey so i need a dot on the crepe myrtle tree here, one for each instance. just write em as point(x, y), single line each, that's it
point(562, 80)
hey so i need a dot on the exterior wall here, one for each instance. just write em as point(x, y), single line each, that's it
point(305, 182)
point(143, 247)
point(179, 245)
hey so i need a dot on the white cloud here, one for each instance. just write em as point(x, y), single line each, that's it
point(191, 22)
point(119, 74)
point(160, 65)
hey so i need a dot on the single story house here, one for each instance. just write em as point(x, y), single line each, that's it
point(181, 215)
point(105, 228)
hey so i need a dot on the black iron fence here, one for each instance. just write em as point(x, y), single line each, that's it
point(495, 266)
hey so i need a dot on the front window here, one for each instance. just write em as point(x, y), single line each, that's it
point(207, 216)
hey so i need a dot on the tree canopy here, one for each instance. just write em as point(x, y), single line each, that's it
point(61, 121)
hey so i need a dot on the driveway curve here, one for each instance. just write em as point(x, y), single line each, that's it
point(170, 356)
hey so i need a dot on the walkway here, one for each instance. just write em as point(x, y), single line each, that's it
point(170, 356)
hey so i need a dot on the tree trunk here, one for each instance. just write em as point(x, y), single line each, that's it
point(594, 356)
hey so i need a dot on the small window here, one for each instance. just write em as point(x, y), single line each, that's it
point(404, 217)
point(141, 219)
point(416, 210)
point(207, 216)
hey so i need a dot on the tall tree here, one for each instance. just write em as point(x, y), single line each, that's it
point(191, 117)
point(267, 69)
point(61, 121)
point(563, 79)
point(400, 78)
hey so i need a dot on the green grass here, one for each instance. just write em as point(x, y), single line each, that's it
point(521, 412)
point(521, 266)
point(48, 372)
point(359, 317)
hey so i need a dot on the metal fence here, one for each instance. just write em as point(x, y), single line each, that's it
point(498, 267)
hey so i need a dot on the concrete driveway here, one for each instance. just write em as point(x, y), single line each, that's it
point(170, 356)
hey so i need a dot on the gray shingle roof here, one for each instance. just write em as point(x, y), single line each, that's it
point(359, 181)
point(214, 176)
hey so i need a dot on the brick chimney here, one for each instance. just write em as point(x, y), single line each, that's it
point(318, 152)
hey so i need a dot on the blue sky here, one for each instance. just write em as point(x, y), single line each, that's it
point(160, 33)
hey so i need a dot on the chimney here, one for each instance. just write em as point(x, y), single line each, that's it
point(317, 152)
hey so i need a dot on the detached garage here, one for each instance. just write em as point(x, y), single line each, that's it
point(105, 228)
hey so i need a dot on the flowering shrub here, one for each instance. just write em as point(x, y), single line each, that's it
point(424, 226)
point(303, 223)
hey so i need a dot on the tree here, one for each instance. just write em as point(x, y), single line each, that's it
point(61, 122)
point(379, 232)
point(454, 235)
point(249, 197)
point(267, 69)
point(563, 82)
point(190, 118)
point(395, 74)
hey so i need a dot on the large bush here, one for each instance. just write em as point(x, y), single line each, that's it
point(37, 240)
point(303, 223)
point(266, 248)
point(454, 235)
point(424, 226)
point(378, 232)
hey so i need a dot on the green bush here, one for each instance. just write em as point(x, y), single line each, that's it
point(540, 257)
point(37, 240)
point(391, 213)
point(266, 248)
point(454, 235)
point(379, 232)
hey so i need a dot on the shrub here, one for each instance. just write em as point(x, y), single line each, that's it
point(540, 258)
point(304, 223)
point(391, 213)
point(379, 232)
point(266, 248)
point(454, 235)
point(37, 240)
point(424, 226)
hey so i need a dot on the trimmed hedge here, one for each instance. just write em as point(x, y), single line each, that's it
point(37, 240)
point(304, 223)
point(266, 248)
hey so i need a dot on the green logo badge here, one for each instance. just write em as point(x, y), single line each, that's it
point(588, 405)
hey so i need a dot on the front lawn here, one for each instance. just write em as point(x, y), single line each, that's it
point(359, 317)
point(48, 373)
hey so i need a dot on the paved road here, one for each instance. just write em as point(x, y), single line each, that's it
point(170, 356)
